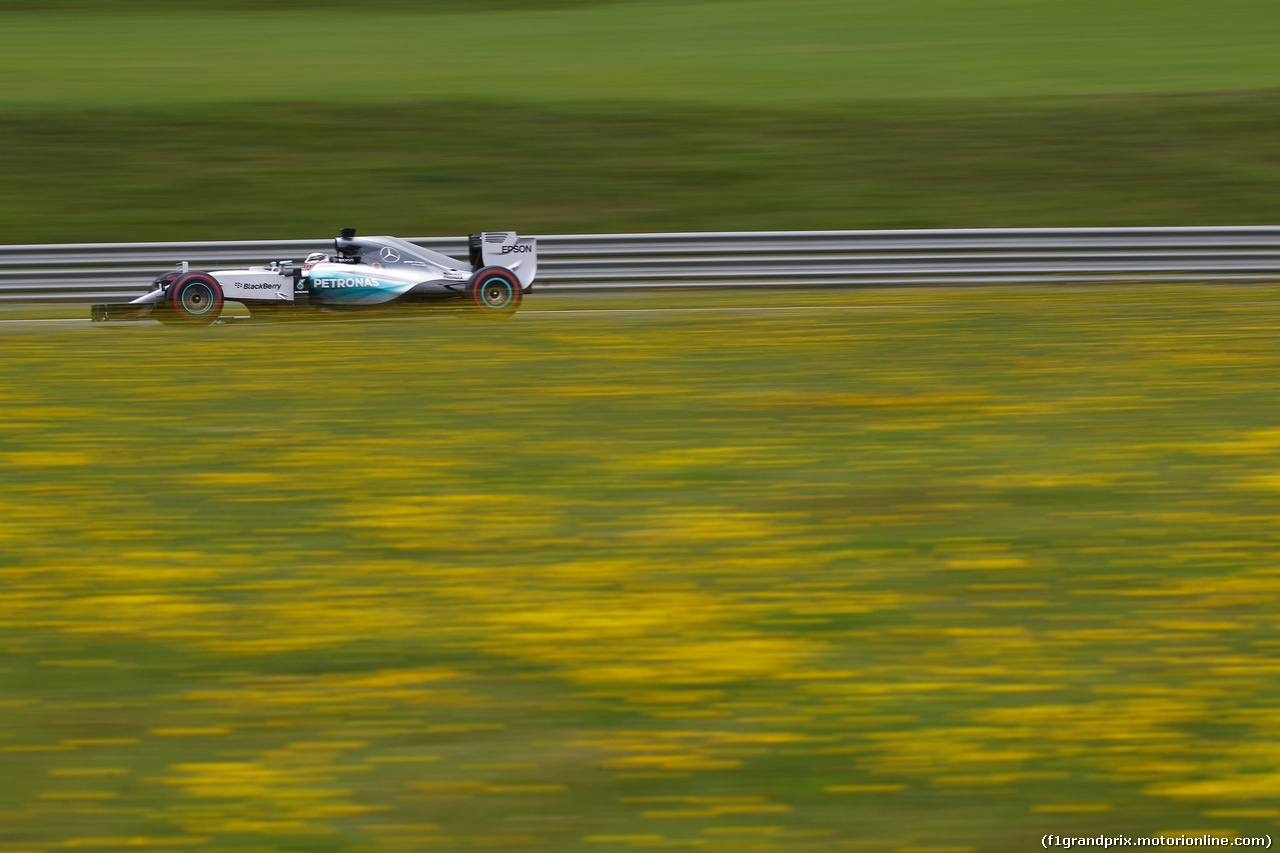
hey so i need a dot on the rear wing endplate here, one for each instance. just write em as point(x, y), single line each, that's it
point(506, 249)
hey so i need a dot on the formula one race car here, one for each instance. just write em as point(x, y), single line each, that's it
point(364, 273)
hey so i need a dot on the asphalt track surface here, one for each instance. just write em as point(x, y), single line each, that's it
point(523, 315)
point(534, 313)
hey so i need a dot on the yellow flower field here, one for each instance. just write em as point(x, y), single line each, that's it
point(887, 570)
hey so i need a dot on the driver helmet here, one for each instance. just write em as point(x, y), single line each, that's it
point(313, 259)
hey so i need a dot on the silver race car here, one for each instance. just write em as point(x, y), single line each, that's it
point(363, 273)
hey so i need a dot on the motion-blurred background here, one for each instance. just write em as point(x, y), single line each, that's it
point(229, 119)
point(898, 570)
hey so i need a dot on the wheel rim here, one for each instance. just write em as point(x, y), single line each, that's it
point(197, 299)
point(496, 292)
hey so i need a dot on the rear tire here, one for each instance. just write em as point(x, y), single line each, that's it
point(194, 299)
point(494, 292)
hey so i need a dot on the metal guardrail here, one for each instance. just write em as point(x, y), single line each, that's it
point(116, 271)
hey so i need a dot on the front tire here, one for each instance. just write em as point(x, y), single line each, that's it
point(494, 292)
point(192, 299)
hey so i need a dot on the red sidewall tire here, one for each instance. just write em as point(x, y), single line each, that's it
point(195, 298)
point(495, 291)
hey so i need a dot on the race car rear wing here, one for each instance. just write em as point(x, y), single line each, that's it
point(506, 249)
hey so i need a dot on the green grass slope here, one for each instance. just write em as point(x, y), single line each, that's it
point(133, 121)
point(427, 168)
point(744, 52)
